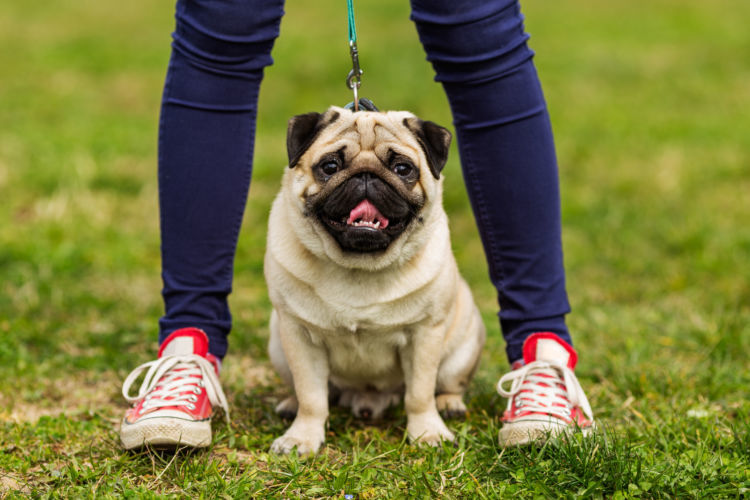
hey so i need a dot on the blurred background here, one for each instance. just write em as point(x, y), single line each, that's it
point(649, 102)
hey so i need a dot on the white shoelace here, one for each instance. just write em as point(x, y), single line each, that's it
point(539, 382)
point(181, 379)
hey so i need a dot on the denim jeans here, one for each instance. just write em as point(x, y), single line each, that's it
point(479, 52)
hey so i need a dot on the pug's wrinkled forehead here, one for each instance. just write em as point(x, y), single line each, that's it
point(380, 133)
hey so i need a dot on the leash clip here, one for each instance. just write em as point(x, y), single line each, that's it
point(354, 78)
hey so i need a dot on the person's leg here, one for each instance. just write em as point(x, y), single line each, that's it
point(206, 138)
point(479, 53)
point(205, 155)
point(478, 49)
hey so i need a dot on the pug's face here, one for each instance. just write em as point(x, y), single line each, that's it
point(364, 179)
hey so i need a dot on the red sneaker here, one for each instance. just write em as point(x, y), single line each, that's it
point(545, 398)
point(174, 404)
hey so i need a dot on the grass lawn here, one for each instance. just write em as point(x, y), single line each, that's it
point(649, 101)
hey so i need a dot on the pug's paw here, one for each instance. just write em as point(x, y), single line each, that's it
point(287, 409)
point(429, 430)
point(451, 405)
point(306, 440)
point(371, 405)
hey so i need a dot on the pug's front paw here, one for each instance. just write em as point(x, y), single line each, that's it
point(428, 429)
point(304, 438)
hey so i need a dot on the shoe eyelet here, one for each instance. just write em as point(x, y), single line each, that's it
point(190, 406)
point(193, 398)
point(197, 390)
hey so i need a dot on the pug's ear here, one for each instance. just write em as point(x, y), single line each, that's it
point(302, 132)
point(435, 141)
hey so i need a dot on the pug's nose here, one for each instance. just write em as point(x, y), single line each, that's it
point(365, 177)
point(369, 181)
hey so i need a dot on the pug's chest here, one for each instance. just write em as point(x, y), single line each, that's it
point(359, 315)
point(365, 357)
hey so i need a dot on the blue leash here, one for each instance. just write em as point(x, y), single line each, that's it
point(352, 26)
point(354, 78)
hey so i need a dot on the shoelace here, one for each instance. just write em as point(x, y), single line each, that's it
point(535, 388)
point(181, 379)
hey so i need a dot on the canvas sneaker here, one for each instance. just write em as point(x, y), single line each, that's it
point(175, 402)
point(544, 397)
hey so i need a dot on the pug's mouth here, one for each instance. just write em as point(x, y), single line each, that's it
point(365, 216)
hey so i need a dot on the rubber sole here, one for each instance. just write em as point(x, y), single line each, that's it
point(535, 431)
point(165, 432)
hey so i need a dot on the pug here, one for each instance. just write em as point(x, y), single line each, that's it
point(368, 303)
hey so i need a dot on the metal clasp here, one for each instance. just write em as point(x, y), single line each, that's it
point(354, 78)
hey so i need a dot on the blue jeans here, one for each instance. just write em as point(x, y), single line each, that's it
point(479, 53)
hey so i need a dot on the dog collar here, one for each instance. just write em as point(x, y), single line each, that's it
point(364, 103)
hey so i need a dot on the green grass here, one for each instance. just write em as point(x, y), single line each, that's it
point(649, 103)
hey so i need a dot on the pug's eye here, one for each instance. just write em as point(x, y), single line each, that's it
point(329, 168)
point(403, 169)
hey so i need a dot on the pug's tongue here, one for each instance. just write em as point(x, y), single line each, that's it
point(367, 215)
